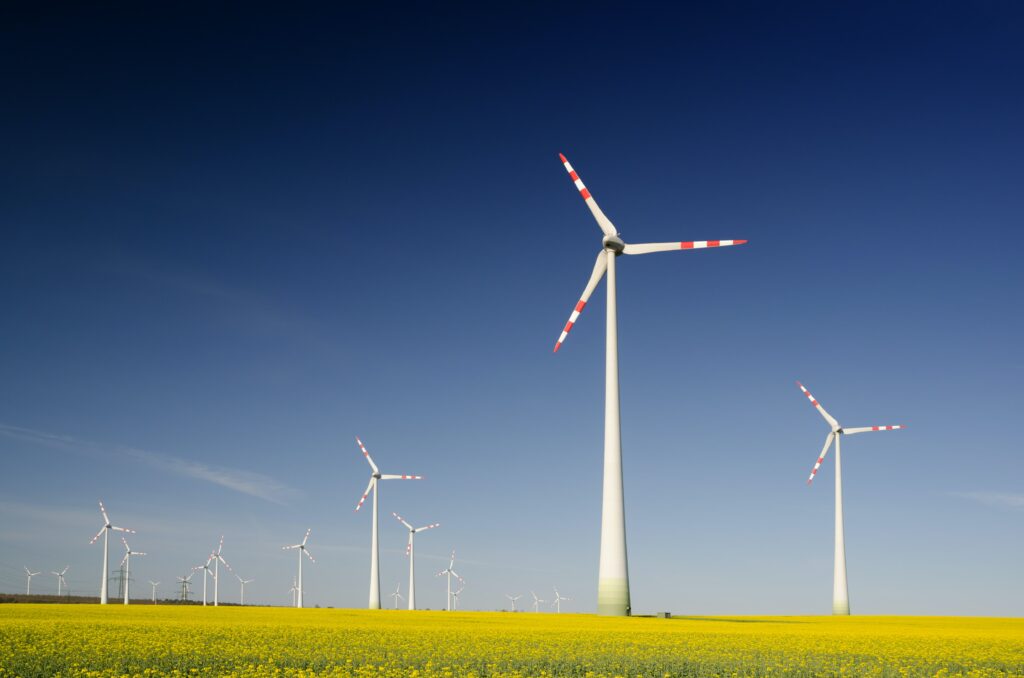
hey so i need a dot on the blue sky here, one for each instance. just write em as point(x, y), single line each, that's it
point(233, 241)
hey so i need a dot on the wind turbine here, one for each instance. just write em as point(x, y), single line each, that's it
point(293, 590)
point(456, 594)
point(29, 573)
point(105, 532)
point(557, 603)
point(127, 562)
point(301, 549)
point(374, 556)
point(243, 582)
point(613, 575)
point(217, 560)
point(205, 567)
point(513, 599)
point(536, 601)
point(410, 552)
point(840, 591)
point(186, 583)
point(154, 584)
point(60, 578)
point(397, 595)
point(450, 571)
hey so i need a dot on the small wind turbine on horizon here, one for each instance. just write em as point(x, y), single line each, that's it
point(29, 574)
point(301, 547)
point(294, 590)
point(105, 533)
point(513, 599)
point(613, 575)
point(126, 563)
point(154, 584)
point(397, 594)
point(61, 583)
point(536, 601)
point(242, 583)
point(456, 594)
point(450, 571)
point(410, 552)
point(375, 476)
point(840, 590)
point(207, 572)
point(557, 603)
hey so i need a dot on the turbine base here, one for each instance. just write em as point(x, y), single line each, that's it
point(613, 597)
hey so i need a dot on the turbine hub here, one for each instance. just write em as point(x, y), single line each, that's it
point(613, 243)
point(377, 476)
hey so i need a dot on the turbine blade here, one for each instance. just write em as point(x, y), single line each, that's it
point(220, 545)
point(647, 248)
point(401, 520)
point(600, 266)
point(309, 555)
point(604, 222)
point(122, 529)
point(103, 510)
point(400, 477)
point(367, 455)
point(817, 406)
point(306, 538)
point(408, 545)
point(365, 494)
point(98, 535)
point(821, 457)
point(428, 527)
point(865, 429)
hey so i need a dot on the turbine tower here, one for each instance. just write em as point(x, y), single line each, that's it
point(513, 599)
point(242, 583)
point(450, 571)
point(613, 575)
point(29, 574)
point(301, 548)
point(410, 552)
point(840, 590)
point(217, 560)
point(374, 555)
point(61, 583)
point(557, 604)
point(126, 563)
point(154, 584)
point(397, 594)
point(105, 533)
point(536, 602)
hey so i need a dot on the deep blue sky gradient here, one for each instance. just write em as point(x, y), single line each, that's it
point(235, 239)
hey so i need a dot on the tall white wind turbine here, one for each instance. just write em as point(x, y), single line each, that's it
point(207, 572)
point(557, 603)
point(301, 548)
point(154, 584)
point(126, 562)
point(61, 583)
point(613, 575)
point(29, 574)
point(105, 533)
point(242, 583)
point(374, 555)
point(536, 602)
point(840, 591)
point(397, 595)
point(217, 560)
point(450, 571)
point(410, 552)
point(513, 599)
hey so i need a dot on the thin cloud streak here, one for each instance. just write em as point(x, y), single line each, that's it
point(247, 482)
point(1003, 500)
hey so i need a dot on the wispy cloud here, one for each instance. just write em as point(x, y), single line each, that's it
point(1003, 500)
point(239, 480)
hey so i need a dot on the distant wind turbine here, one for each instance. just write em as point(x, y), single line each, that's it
point(242, 583)
point(217, 560)
point(294, 590)
point(450, 571)
point(105, 532)
point(613, 577)
point(397, 594)
point(840, 591)
point(126, 562)
point(557, 603)
point(207, 572)
point(154, 584)
point(456, 594)
point(410, 552)
point(513, 599)
point(375, 476)
point(536, 601)
point(29, 573)
point(60, 578)
point(301, 549)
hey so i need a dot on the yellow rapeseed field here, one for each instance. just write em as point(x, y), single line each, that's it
point(143, 640)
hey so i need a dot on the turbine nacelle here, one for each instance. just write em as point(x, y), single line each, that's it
point(613, 243)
